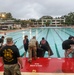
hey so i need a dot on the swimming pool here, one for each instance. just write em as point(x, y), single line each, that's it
point(54, 36)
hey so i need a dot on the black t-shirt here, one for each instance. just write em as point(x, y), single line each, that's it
point(44, 45)
point(9, 54)
point(25, 42)
point(66, 44)
point(1, 40)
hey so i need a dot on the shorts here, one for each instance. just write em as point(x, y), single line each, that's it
point(12, 69)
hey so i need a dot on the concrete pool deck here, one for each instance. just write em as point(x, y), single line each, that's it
point(8, 31)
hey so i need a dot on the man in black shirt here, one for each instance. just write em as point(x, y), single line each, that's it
point(45, 46)
point(1, 41)
point(25, 43)
point(68, 45)
point(10, 56)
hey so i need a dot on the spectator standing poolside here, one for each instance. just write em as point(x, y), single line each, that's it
point(25, 43)
point(11, 58)
point(1, 41)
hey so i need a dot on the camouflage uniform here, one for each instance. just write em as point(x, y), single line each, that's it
point(13, 69)
point(32, 47)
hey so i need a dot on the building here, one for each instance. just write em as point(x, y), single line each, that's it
point(9, 24)
point(53, 22)
point(49, 22)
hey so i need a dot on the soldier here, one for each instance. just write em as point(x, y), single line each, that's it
point(1, 41)
point(32, 47)
point(45, 46)
point(25, 43)
point(10, 56)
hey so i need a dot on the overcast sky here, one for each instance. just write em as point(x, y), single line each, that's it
point(25, 9)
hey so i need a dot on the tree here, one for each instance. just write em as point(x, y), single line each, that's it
point(47, 23)
point(69, 19)
point(9, 16)
point(46, 17)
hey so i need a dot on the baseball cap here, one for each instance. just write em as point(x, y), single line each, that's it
point(9, 39)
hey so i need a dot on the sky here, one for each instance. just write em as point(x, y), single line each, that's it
point(28, 9)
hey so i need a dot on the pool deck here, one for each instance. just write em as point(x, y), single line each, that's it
point(8, 31)
point(32, 73)
point(47, 65)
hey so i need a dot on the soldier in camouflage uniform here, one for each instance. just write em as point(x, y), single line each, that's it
point(32, 47)
point(10, 56)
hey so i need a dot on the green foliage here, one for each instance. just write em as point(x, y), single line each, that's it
point(46, 17)
point(47, 23)
point(9, 16)
point(69, 19)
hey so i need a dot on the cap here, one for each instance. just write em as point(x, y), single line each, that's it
point(70, 37)
point(9, 39)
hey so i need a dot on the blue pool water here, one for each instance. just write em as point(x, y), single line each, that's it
point(54, 36)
